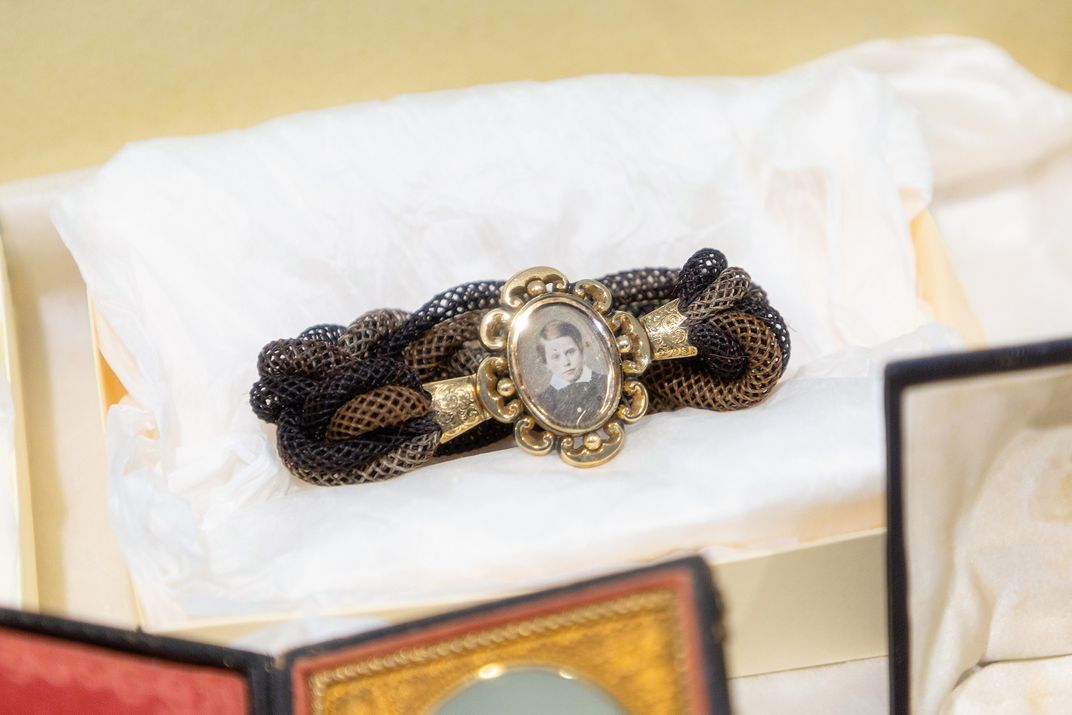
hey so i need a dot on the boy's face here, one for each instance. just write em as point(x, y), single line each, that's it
point(564, 357)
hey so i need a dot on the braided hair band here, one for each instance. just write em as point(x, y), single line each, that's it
point(563, 365)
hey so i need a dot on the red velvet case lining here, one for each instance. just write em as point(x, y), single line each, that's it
point(40, 674)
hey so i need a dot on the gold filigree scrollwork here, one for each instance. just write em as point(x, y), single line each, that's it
point(592, 448)
point(666, 332)
point(531, 437)
point(634, 401)
point(456, 407)
point(594, 293)
point(529, 284)
point(645, 675)
point(633, 343)
point(496, 390)
point(494, 328)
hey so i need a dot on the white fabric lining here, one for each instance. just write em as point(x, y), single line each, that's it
point(807, 179)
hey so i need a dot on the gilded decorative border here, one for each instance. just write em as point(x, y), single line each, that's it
point(501, 391)
point(630, 646)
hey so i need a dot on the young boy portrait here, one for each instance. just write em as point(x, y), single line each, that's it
point(576, 392)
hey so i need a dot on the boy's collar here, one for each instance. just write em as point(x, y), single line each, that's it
point(558, 383)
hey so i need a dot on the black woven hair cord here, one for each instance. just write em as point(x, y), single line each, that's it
point(305, 380)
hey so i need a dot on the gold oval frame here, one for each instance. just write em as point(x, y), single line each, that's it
point(519, 325)
point(499, 393)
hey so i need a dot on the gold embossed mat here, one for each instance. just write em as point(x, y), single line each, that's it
point(648, 639)
point(642, 641)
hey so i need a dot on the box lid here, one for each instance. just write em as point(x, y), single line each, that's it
point(979, 449)
point(50, 664)
point(18, 582)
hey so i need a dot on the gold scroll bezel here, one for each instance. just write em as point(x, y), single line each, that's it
point(609, 344)
point(500, 393)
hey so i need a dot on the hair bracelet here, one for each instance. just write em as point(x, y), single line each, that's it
point(565, 366)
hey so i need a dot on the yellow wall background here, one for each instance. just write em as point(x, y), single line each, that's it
point(79, 79)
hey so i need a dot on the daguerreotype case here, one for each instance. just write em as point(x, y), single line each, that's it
point(980, 530)
point(642, 641)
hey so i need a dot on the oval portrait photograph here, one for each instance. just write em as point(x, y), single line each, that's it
point(565, 364)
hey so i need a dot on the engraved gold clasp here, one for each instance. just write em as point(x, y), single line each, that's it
point(665, 327)
point(456, 406)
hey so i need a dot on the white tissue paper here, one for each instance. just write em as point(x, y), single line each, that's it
point(198, 251)
point(1001, 144)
